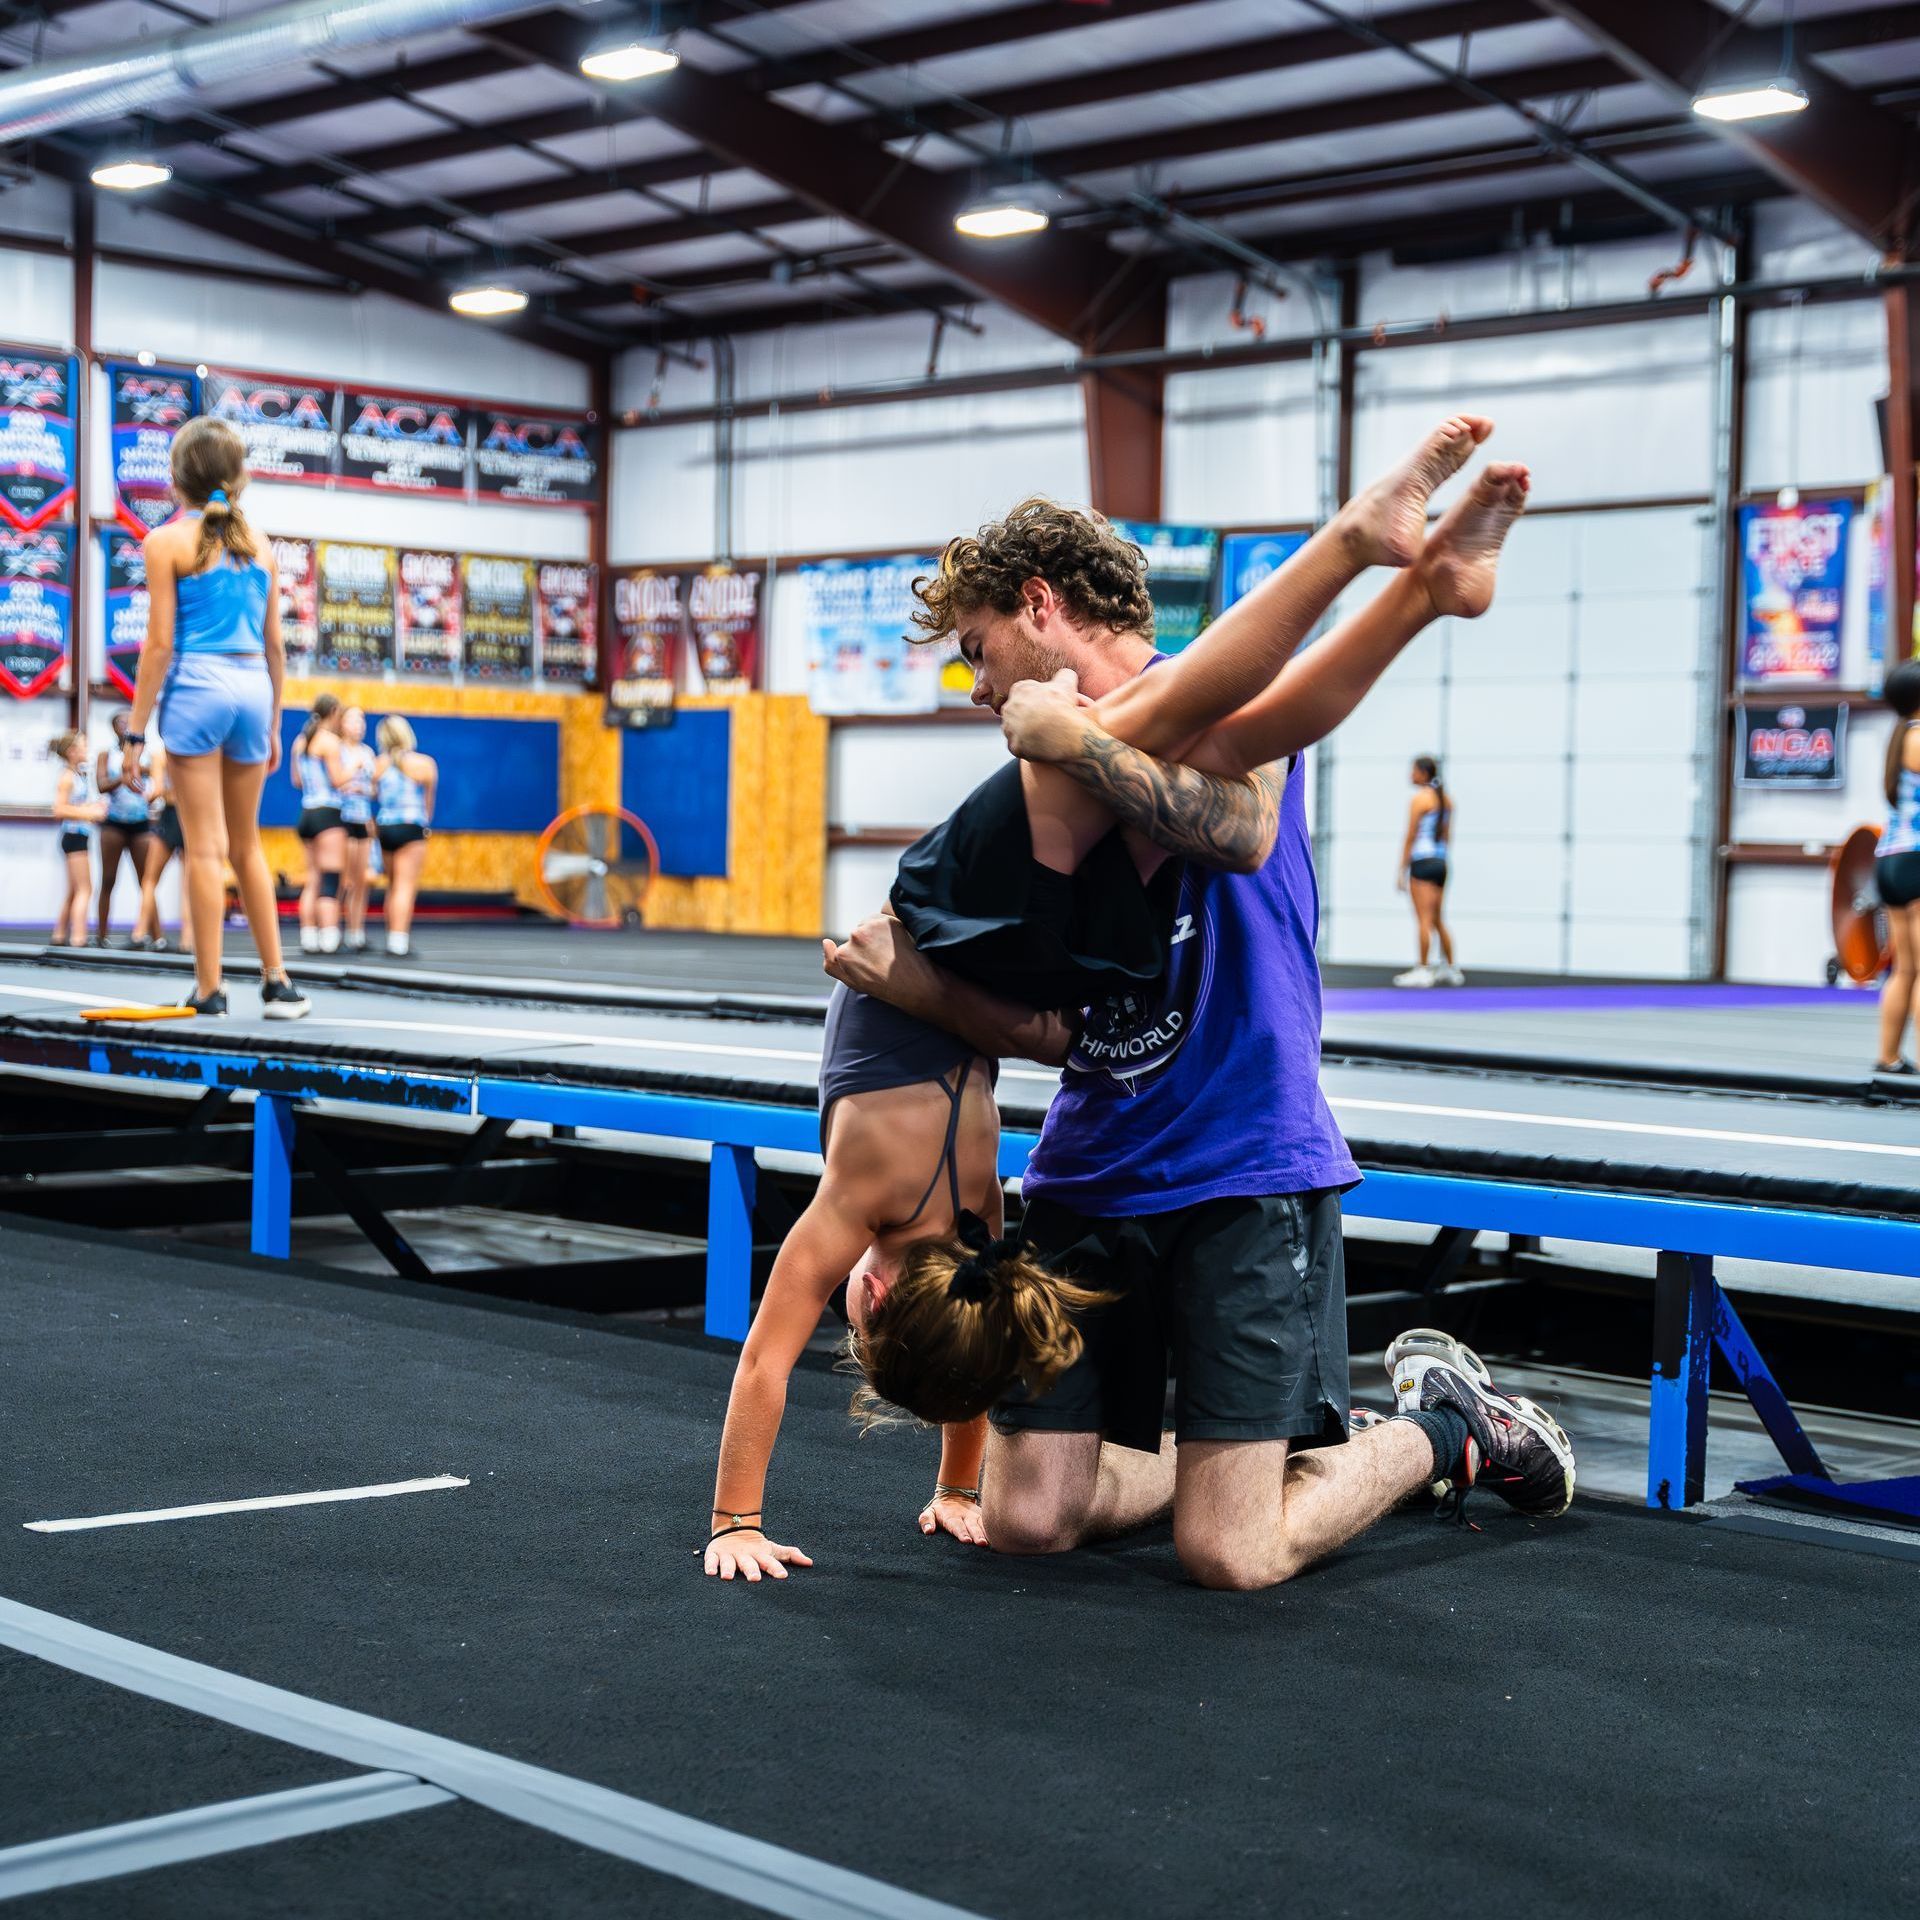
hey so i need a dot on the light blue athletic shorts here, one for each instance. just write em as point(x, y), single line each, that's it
point(218, 703)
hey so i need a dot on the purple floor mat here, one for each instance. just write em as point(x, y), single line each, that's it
point(1578, 999)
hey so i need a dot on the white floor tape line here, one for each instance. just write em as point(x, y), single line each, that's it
point(439, 1483)
point(197, 1833)
point(771, 1878)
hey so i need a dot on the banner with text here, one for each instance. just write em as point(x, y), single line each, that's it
point(356, 608)
point(287, 426)
point(393, 444)
point(569, 592)
point(1180, 564)
point(498, 612)
point(429, 614)
point(125, 559)
point(535, 459)
point(857, 617)
point(1793, 565)
point(649, 627)
point(1793, 746)
point(39, 395)
point(36, 607)
point(723, 613)
point(1250, 560)
point(296, 568)
point(147, 406)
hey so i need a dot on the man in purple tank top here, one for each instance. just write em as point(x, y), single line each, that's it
point(1189, 1166)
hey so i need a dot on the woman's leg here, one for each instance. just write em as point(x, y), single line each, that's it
point(198, 794)
point(147, 924)
point(309, 910)
point(329, 856)
point(240, 805)
point(1426, 910)
point(113, 845)
point(1896, 991)
point(73, 909)
point(403, 887)
point(353, 893)
point(1440, 923)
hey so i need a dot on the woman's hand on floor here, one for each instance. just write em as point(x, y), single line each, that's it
point(950, 1513)
point(749, 1556)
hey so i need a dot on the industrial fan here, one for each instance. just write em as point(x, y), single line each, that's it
point(1860, 947)
point(593, 867)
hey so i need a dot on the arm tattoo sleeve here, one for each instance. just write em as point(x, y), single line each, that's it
point(1203, 817)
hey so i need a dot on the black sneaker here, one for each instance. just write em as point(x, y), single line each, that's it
point(1514, 1447)
point(212, 1006)
point(282, 1000)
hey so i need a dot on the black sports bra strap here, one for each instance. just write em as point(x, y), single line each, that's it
point(949, 1154)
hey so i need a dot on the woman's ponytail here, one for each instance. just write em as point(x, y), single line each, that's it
point(1902, 694)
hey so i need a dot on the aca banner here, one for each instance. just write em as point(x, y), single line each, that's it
point(396, 444)
point(649, 625)
point(147, 406)
point(125, 558)
point(498, 604)
point(287, 425)
point(1250, 560)
point(858, 619)
point(569, 592)
point(36, 607)
point(1793, 564)
point(356, 608)
point(1180, 564)
point(1793, 746)
point(38, 393)
point(429, 613)
point(723, 610)
point(535, 458)
point(295, 568)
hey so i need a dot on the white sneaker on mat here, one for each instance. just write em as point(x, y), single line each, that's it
point(309, 939)
point(1446, 974)
point(1415, 977)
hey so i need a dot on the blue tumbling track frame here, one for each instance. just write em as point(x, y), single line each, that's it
point(1692, 1314)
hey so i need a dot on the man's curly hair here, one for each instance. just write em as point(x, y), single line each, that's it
point(1100, 576)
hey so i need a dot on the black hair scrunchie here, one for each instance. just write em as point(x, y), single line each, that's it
point(973, 1278)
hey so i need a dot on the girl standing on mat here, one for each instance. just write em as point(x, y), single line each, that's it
point(1896, 867)
point(127, 829)
point(317, 773)
point(212, 667)
point(1423, 874)
point(78, 813)
point(164, 842)
point(945, 1315)
point(356, 760)
point(405, 781)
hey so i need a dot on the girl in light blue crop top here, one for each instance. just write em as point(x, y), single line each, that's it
point(1896, 868)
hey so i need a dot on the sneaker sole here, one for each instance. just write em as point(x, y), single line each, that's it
point(1530, 1414)
point(1434, 1344)
point(286, 1012)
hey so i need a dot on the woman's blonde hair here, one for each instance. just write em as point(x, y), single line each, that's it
point(967, 1319)
point(62, 744)
point(209, 471)
point(395, 735)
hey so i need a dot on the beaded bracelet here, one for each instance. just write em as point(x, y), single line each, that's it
point(957, 1493)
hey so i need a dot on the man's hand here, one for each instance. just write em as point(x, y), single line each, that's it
point(879, 959)
point(751, 1556)
point(952, 1513)
point(1046, 719)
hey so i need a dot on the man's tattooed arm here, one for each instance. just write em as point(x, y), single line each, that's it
point(1230, 824)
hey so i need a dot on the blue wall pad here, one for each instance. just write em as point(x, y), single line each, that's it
point(496, 776)
point(678, 780)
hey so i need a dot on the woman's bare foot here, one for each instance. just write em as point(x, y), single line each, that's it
point(1387, 522)
point(1458, 563)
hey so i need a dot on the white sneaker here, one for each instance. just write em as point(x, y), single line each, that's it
point(309, 939)
point(329, 939)
point(1448, 975)
point(1414, 977)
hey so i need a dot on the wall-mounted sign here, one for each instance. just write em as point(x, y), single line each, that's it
point(147, 407)
point(36, 607)
point(498, 605)
point(1793, 745)
point(37, 411)
point(287, 426)
point(429, 614)
point(1793, 566)
point(356, 608)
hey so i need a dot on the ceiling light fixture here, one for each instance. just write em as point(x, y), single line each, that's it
point(487, 302)
point(622, 60)
point(1001, 214)
point(1751, 100)
point(132, 175)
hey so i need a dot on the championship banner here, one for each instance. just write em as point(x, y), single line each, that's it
point(569, 593)
point(295, 570)
point(36, 607)
point(429, 613)
point(356, 608)
point(38, 407)
point(1250, 560)
point(535, 458)
point(1793, 746)
point(723, 607)
point(498, 602)
point(287, 425)
point(125, 556)
point(1180, 563)
point(394, 444)
point(1793, 567)
point(858, 615)
point(649, 625)
point(147, 406)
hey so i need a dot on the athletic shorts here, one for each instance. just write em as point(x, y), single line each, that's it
point(167, 826)
point(1245, 1298)
point(218, 703)
point(403, 834)
point(75, 840)
point(1434, 872)
point(1897, 875)
point(127, 829)
point(356, 829)
point(314, 821)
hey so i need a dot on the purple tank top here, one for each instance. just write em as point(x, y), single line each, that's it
point(1206, 1085)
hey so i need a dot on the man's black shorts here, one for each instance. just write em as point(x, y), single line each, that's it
point(1245, 1299)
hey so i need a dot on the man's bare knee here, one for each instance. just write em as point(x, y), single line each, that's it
point(1234, 1565)
point(1028, 1523)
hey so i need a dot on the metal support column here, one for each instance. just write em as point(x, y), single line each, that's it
point(1684, 1301)
point(730, 1242)
point(272, 1176)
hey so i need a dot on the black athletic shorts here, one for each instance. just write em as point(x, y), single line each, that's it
point(403, 834)
point(1434, 872)
point(74, 840)
point(314, 821)
point(130, 832)
point(974, 899)
point(1246, 1300)
point(1897, 875)
point(168, 827)
point(356, 829)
